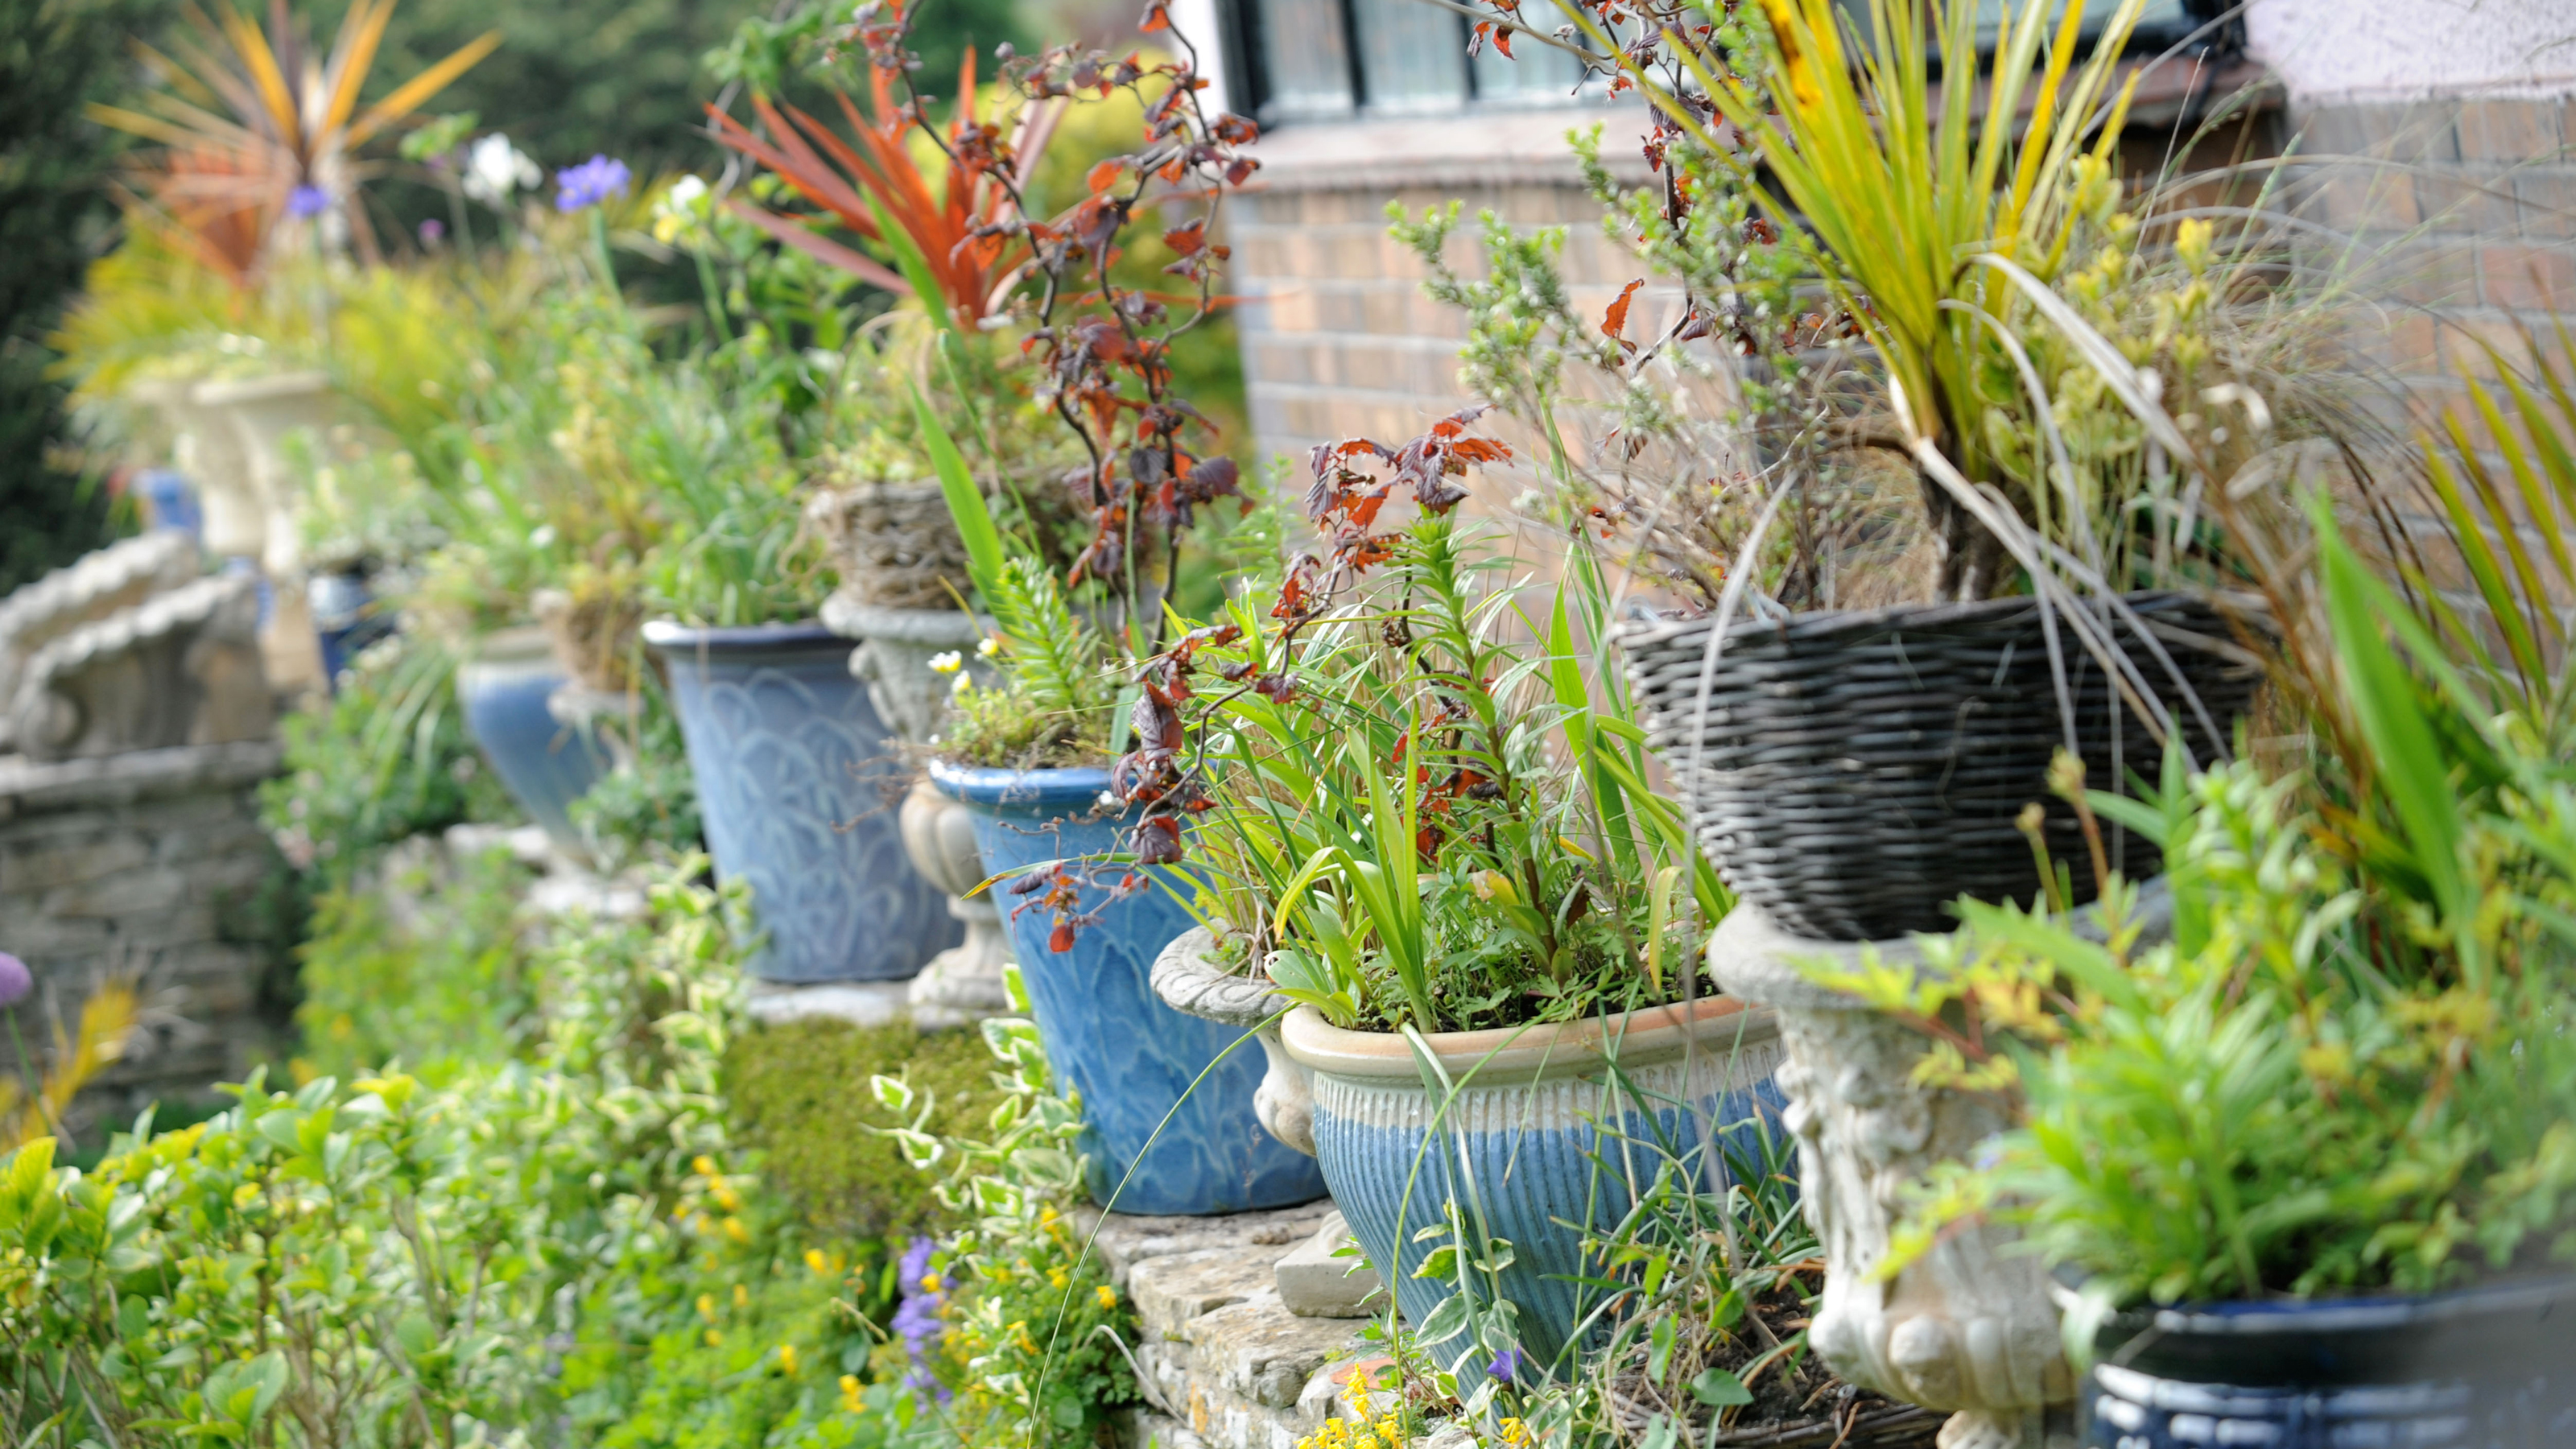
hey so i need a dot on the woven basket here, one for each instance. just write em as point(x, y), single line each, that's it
point(893, 544)
point(1857, 773)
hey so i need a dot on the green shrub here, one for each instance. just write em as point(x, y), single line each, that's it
point(798, 1093)
point(424, 968)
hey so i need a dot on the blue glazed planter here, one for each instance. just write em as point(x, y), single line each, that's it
point(1106, 1034)
point(545, 766)
point(794, 773)
point(1526, 1124)
point(2487, 1368)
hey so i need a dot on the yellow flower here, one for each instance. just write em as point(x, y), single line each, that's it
point(726, 1197)
point(814, 1260)
point(741, 1296)
point(1000, 1275)
point(1515, 1432)
point(707, 1307)
point(929, 1282)
point(1108, 1296)
point(1058, 1277)
point(246, 1194)
point(714, 1338)
point(703, 1165)
point(736, 1231)
point(850, 1401)
point(787, 1359)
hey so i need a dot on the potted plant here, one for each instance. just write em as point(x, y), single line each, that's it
point(1856, 771)
point(2303, 1167)
point(1166, 1099)
point(1436, 841)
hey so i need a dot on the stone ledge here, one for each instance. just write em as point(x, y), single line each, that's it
point(1224, 1364)
point(28, 788)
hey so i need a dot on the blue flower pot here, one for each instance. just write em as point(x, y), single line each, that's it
point(1526, 1124)
point(1107, 1036)
point(543, 765)
point(798, 786)
point(2485, 1368)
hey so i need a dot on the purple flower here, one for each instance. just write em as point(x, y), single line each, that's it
point(920, 1317)
point(1508, 1366)
point(307, 202)
point(431, 230)
point(15, 980)
point(590, 183)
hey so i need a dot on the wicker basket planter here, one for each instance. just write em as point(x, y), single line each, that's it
point(893, 544)
point(1855, 773)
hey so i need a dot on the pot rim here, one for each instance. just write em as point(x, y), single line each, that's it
point(510, 646)
point(677, 640)
point(1827, 628)
point(1058, 788)
point(2247, 1320)
point(1518, 1055)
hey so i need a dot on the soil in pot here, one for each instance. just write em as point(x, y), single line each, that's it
point(1168, 1126)
point(798, 786)
point(1855, 773)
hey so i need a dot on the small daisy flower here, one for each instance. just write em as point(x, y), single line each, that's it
point(947, 662)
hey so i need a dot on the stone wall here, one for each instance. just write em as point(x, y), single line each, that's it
point(147, 867)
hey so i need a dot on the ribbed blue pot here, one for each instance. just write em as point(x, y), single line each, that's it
point(2486, 1368)
point(1524, 1131)
point(797, 786)
point(545, 766)
point(1132, 1058)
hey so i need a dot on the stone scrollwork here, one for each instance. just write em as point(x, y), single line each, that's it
point(180, 668)
point(96, 587)
point(1968, 1327)
point(1186, 979)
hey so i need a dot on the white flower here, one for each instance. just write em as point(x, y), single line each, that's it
point(964, 686)
point(680, 208)
point(991, 647)
point(948, 662)
point(494, 169)
point(542, 536)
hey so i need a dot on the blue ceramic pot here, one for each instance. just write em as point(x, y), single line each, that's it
point(1527, 1125)
point(798, 787)
point(1106, 1034)
point(2487, 1368)
point(545, 766)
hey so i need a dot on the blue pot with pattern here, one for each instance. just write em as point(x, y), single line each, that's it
point(798, 786)
point(1523, 1137)
point(1133, 1059)
point(2492, 1367)
point(501, 690)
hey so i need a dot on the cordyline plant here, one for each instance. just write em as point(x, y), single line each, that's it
point(1103, 346)
point(952, 248)
point(261, 127)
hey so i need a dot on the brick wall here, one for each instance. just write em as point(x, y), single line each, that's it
point(145, 867)
point(1337, 338)
point(2458, 215)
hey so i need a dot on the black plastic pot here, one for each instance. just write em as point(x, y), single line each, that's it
point(2485, 1368)
point(1855, 773)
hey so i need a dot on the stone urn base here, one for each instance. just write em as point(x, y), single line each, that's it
point(1970, 1326)
point(965, 983)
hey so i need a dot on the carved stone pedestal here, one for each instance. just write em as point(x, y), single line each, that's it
point(1969, 1326)
point(963, 984)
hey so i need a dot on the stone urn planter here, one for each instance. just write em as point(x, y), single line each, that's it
point(795, 776)
point(1155, 1096)
point(1521, 1135)
point(965, 983)
point(262, 412)
point(204, 447)
point(1969, 1327)
point(503, 688)
point(2493, 1366)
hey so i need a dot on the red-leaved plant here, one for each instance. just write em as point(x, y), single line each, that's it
point(1103, 346)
